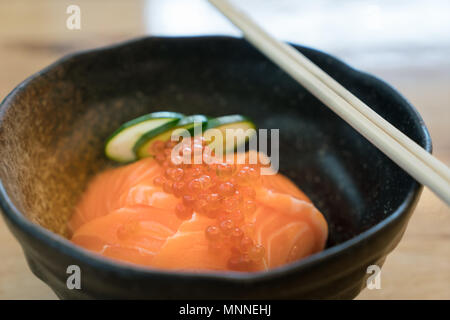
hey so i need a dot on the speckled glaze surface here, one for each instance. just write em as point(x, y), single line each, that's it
point(53, 126)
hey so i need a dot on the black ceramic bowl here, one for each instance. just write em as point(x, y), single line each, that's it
point(53, 126)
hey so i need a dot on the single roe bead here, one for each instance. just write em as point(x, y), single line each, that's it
point(158, 181)
point(226, 226)
point(195, 186)
point(188, 200)
point(246, 244)
point(231, 203)
point(226, 189)
point(168, 186)
point(160, 158)
point(256, 252)
point(175, 173)
point(212, 233)
point(236, 235)
point(178, 188)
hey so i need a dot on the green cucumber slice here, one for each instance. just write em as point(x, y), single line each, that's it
point(234, 121)
point(119, 146)
point(142, 148)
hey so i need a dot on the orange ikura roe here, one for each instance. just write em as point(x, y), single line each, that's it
point(218, 190)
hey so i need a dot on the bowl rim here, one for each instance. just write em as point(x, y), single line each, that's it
point(65, 247)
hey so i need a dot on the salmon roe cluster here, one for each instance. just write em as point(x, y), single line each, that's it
point(219, 190)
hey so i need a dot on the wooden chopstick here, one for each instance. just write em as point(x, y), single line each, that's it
point(402, 150)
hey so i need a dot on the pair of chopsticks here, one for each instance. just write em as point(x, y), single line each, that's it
point(421, 165)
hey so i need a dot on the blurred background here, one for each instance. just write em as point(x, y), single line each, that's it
point(404, 42)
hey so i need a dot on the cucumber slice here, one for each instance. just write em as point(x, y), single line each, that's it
point(142, 148)
point(234, 121)
point(119, 146)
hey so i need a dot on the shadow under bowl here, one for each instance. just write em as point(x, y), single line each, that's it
point(53, 126)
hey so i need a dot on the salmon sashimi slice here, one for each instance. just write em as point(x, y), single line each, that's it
point(114, 189)
point(199, 219)
point(279, 183)
point(296, 209)
point(284, 238)
point(188, 249)
point(141, 230)
point(150, 195)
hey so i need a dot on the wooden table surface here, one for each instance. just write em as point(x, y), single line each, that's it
point(33, 34)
